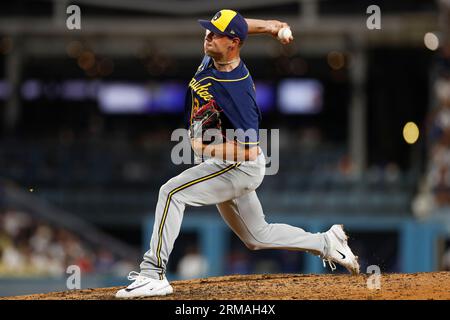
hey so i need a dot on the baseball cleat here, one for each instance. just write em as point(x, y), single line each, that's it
point(338, 250)
point(143, 286)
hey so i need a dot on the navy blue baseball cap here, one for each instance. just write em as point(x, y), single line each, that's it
point(227, 22)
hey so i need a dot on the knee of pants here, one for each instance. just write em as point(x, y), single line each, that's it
point(168, 187)
point(256, 241)
point(253, 245)
point(164, 190)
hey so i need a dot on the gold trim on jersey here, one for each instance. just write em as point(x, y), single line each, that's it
point(257, 142)
point(202, 89)
point(169, 198)
point(225, 80)
point(196, 86)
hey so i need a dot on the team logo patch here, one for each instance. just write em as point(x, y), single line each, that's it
point(217, 16)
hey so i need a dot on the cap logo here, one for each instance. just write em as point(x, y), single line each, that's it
point(216, 16)
point(222, 19)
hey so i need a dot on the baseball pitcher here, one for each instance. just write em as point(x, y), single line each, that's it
point(221, 96)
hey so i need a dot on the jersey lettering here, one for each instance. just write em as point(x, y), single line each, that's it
point(201, 90)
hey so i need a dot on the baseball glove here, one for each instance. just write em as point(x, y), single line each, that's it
point(206, 122)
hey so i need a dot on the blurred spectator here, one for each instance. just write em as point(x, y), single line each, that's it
point(192, 264)
point(346, 166)
point(309, 138)
point(12, 259)
point(104, 262)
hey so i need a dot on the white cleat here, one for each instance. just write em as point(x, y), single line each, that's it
point(339, 251)
point(144, 287)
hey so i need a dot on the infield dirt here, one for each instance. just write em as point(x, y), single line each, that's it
point(422, 286)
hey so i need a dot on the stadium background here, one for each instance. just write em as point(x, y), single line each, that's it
point(86, 117)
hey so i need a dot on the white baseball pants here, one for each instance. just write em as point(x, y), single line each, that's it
point(231, 187)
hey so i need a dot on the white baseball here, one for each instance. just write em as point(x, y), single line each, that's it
point(284, 34)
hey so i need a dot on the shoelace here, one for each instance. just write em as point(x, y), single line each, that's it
point(330, 263)
point(133, 275)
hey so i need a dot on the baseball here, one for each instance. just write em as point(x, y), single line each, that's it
point(284, 34)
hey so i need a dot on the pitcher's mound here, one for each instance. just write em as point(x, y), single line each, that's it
point(434, 285)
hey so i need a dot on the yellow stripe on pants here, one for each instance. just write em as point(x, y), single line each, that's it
point(171, 193)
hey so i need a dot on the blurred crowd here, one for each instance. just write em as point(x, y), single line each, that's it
point(434, 195)
point(33, 247)
point(439, 173)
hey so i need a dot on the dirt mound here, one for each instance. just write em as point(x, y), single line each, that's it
point(286, 287)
